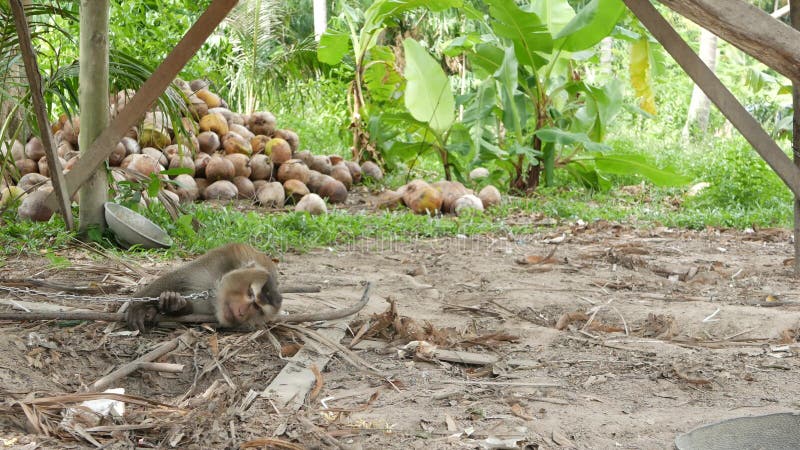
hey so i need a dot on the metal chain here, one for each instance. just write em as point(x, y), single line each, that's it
point(105, 299)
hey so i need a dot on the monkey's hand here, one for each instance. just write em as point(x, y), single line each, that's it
point(173, 304)
point(141, 316)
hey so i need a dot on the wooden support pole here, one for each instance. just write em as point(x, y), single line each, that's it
point(158, 82)
point(35, 83)
point(794, 17)
point(746, 27)
point(727, 103)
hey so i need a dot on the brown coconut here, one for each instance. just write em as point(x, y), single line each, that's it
point(211, 99)
point(221, 190)
point(130, 145)
point(200, 163)
point(451, 191)
point(31, 181)
point(219, 168)
point(117, 155)
point(44, 167)
point(214, 122)
point(371, 170)
point(18, 151)
point(421, 197)
point(156, 154)
point(186, 188)
point(355, 171)
point(316, 180)
point(182, 162)
point(34, 149)
point(241, 164)
point(490, 196)
point(209, 142)
point(173, 150)
point(71, 128)
point(262, 123)
point(34, 207)
point(258, 143)
point(295, 190)
point(245, 187)
point(261, 167)
point(333, 190)
point(342, 173)
point(234, 143)
point(312, 204)
point(305, 156)
point(202, 184)
point(289, 136)
point(322, 164)
point(271, 195)
point(293, 169)
point(278, 150)
point(242, 131)
point(142, 163)
point(26, 166)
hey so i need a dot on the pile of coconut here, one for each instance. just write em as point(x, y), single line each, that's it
point(225, 156)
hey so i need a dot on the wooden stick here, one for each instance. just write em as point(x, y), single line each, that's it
point(189, 318)
point(35, 83)
point(161, 367)
point(129, 368)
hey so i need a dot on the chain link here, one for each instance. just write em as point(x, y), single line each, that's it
point(106, 299)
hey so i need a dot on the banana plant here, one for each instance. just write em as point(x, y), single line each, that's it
point(359, 35)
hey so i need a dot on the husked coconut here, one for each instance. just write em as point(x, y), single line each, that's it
point(262, 123)
point(260, 167)
point(278, 150)
point(34, 207)
point(371, 170)
point(293, 169)
point(34, 149)
point(31, 181)
point(245, 187)
point(355, 171)
point(478, 173)
point(333, 190)
point(234, 143)
point(295, 190)
point(214, 122)
point(321, 164)
point(156, 154)
point(200, 163)
point(312, 204)
point(421, 197)
point(451, 191)
point(186, 188)
point(271, 195)
point(209, 142)
point(219, 168)
point(241, 164)
point(221, 190)
point(342, 173)
point(468, 202)
point(490, 196)
point(289, 136)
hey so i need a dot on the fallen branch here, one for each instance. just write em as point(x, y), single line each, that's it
point(189, 318)
point(129, 368)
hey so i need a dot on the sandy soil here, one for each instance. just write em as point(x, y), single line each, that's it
point(622, 338)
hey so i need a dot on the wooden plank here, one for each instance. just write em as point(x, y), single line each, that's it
point(794, 17)
point(717, 92)
point(745, 26)
point(35, 84)
point(158, 82)
point(289, 389)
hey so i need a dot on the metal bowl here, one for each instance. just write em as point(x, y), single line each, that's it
point(132, 228)
point(776, 431)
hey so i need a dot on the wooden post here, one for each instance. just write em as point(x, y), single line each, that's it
point(794, 17)
point(105, 143)
point(35, 83)
point(727, 103)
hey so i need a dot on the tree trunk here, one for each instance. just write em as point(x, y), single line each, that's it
point(794, 17)
point(606, 55)
point(320, 18)
point(700, 106)
point(93, 99)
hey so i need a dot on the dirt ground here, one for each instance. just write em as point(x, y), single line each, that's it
point(603, 336)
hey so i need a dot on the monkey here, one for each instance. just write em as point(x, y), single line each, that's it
point(244, 280)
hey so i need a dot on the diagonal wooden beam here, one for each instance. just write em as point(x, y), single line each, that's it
point(747, 27)
point(727, 103)
point(35, 84)
point(158, 82)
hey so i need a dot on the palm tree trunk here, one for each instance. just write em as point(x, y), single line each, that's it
point(700, 106)
point(93, 99)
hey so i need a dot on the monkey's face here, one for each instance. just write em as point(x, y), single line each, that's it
point(247, 297)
